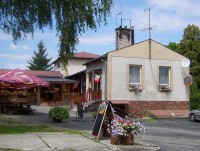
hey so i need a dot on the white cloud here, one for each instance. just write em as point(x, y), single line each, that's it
point(19, 47)
point(169, 16)
point(5, 36)
point(25, 47)
point(13, 46)
point(22, 66)
point(12, 61)
point(15, 56)
point(97, 39)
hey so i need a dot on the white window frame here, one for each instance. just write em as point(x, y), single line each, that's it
point(140, 72)
point(165, 86)
point(169, 75)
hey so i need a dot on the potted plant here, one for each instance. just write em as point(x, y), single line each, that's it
point(58, 113)
point(124, 128)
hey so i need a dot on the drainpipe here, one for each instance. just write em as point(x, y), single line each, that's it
point(105, 71)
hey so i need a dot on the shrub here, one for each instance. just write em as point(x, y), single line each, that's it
point(194, 96)
point(58, 113)
point(94, 115)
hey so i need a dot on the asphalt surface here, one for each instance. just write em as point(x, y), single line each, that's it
point(168, 134)
point(64, 141)
point(173, 134)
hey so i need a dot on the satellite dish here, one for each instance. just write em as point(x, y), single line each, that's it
point(185, 62)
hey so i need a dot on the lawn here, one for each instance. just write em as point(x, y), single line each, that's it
point(10, 126)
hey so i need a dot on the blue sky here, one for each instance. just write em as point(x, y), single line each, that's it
point(169, 17)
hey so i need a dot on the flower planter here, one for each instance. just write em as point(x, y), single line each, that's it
point(128, 139)
point(122, 140)
point(116, 140)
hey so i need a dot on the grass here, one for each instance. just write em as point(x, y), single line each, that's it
point(75, 132)
point(151, 120)
point(8, 149)
point(20, 129)
point(10, 126)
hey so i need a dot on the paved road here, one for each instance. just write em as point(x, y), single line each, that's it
point(173, 134)
point(64, 141)
point(169, 134)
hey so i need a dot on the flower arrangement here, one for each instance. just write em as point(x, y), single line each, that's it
point(120, 127)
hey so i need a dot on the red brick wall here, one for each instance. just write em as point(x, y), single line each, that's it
point(141, 108)
point(159, 105)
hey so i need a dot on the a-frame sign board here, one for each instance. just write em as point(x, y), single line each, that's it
point(105, 109)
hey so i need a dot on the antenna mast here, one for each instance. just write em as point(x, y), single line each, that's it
point(149, 28)
point(119, 14)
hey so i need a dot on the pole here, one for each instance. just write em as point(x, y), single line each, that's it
point(105, 86)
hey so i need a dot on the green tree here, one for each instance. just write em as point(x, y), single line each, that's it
point(40, 61)
point(190, 47)
point(173, 46)
point(71, 18)
point(194, 96)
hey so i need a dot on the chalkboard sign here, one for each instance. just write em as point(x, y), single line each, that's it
point(104, 109)
point(109, 113)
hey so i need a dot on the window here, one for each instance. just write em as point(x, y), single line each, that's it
point(164, 78)
point(135, 74)
point(58, 65)
point(164, 75)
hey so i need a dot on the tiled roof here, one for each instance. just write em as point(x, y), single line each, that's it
point(85, 55)
point(82, 55)
point(59, 80)
point(38, 73)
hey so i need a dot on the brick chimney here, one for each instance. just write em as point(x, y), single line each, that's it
point(124, 37)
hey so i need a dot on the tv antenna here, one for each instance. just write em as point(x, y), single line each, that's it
point(149, 28)
point(122, 18)
point(119, 14)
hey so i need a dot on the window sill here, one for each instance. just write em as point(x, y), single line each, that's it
point(165, 90)
point(136, 90)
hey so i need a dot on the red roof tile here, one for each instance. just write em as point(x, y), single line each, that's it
point(82, 55)
point(38, 73)
point(85, 55)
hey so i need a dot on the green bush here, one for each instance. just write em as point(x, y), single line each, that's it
point(58, 113)
point(95, 115)
point(194, 97)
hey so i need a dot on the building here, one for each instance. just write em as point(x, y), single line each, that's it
point(58, 85)
point(145, 78)
point(75, 63)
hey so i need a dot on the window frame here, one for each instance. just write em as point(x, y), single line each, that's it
point(169, 84)
point(140, 74)
point(169, 75)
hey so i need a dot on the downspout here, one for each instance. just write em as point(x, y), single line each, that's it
point(105, 71)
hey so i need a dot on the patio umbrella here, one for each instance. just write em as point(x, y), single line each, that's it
point(19, 78)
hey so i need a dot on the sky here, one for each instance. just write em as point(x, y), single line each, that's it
point(168, 18)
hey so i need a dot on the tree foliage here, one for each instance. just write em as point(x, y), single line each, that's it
point(189, 47)
point(194, 97)
point(72, 17)
point(40, 60)
point(173, 46)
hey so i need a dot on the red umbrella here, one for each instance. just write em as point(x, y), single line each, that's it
point(19, 78)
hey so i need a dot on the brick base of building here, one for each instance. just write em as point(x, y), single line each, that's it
point(158, 108)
